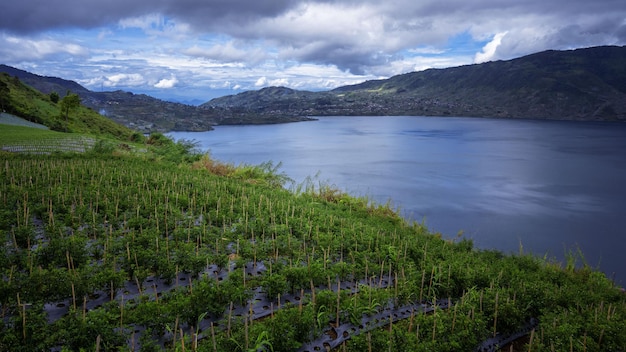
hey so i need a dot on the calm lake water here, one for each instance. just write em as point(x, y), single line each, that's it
point(549, 186)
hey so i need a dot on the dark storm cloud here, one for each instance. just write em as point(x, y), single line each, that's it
point(35, 15)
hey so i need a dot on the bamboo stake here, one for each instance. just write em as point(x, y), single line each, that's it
point(338, 299)
point(213, 337)
point(312, 291)
point(434, 318)
point(382, 269)
point(230, 315)
point(84, 307)
point(73, 296)
point(495, 319)
point(432, 275)
point(422, 285)
point(19, 304)
point(122, 312)
point(182, 340)
point(245, 329)
point(395, 283)
point(390, 331)
point(174, 333)
point(417, 333)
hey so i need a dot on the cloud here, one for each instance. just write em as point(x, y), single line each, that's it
point(277, 82)
point(489, 50)
point(157, 25)
point(15, 48)
point(29, 16)
point(166, 83)
point(312, 44)
point(124, 79)
point(227, 52)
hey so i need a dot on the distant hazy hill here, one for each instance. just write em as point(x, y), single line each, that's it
point(142, 112)
point(583, 84)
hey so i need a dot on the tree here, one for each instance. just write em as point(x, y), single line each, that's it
point(4, 96)
point(69, 102)
point(54, 97)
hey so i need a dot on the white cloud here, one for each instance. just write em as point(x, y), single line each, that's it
point(124, 79)
point(489, 50)
point(166, 83)
point(261, 82)
point(23, 48)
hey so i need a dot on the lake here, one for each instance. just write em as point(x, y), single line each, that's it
point(547, 186)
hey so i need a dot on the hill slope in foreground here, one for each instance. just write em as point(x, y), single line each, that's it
point(583, 84)
point(26, 102)
point(109, 251)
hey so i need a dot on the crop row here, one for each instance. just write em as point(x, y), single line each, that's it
point(48, 146)
point(80, 228)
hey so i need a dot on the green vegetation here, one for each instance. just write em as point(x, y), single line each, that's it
point(40, 141)
point(142, 244)
point(106, 227)
point(68, 115)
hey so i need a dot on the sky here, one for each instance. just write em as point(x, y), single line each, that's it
point(190, 50)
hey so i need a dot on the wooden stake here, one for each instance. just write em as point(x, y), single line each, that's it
point(422, 285)
point(230, 315)
point(495, 318)
point(338, 299)
point(73, 297)
point(530, 343)
point(182, 340)
point(213, 337)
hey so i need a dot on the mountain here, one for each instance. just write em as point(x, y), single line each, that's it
point(582, 84)
point(142, 112)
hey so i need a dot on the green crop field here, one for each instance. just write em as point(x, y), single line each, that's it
point(40, 141)
point(121, 252)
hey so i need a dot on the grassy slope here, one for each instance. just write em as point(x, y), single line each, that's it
point(14, 134)
point(34, 106)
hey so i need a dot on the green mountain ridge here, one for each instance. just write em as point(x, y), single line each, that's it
point(142, 112)
point(582, 84)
